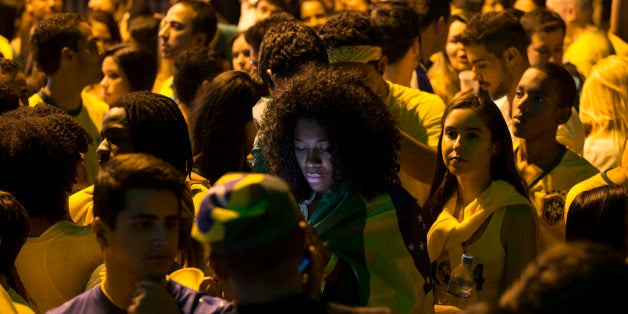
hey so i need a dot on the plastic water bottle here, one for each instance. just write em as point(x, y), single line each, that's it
point(461, 281)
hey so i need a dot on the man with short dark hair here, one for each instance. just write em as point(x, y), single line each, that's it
point(419, 35)
point(433, 29)
point(496, 48)
point(195, 68)
point(400, 27)
point(188, 24)
point(545, 34)
point(65, 50)
point(545, 31)
point(137, 204)
point(542, 103)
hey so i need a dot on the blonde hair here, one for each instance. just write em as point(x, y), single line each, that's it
point(444, 78)
point(604, 100)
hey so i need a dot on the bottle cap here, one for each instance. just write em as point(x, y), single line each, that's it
point(467, 259)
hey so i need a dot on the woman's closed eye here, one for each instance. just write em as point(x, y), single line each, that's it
point(451, 134)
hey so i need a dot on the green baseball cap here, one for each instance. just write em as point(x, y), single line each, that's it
point(245, 210)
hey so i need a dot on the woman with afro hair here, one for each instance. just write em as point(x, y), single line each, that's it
point(335, 143)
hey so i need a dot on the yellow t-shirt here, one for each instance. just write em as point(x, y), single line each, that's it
point(548, 193)
point(586, 185)
point(419, 114)
point(416, 112)
point(587, 50)
point(81, 206)
point(166, 87)
point(5, 48)
point(6, 305)
point(55, 266)
point(620, 46)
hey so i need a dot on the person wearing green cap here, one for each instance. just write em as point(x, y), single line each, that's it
point(257, 243)
point(260, 247)
point(332, 139)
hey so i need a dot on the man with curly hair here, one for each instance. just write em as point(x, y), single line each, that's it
point(255, 34)
point(40, 149)
point(337, 149)
point(354, 44)
point(285, 48)
point(138, 203)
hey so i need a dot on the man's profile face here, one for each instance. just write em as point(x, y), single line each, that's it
point(489, 70)
point(145, 238)
point(536, 106)
point(116, 135)
point(88, 62)
point(546, 47)
point(176, 33)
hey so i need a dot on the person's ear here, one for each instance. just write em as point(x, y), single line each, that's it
point(273, 79)
point(67, 54)
point(495, 146)
point(201, 40)
point(511, 55)
point(442, 25)
point(416, 46)
point(381, 65)
point(205, 83)
point(101, 231)
point(220, 270)
point(563, 115)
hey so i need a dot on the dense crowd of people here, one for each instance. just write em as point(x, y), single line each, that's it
point(313, 156)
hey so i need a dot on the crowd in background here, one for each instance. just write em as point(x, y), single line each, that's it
point(313, 156)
